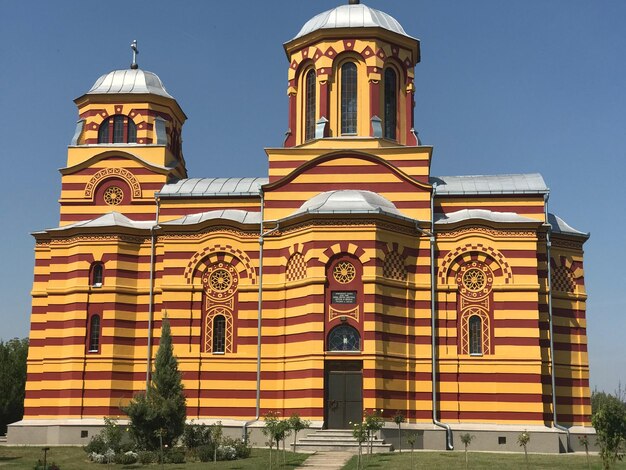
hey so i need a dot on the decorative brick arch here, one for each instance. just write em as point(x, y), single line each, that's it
point(344, 247)
point(474, 252)
point(215, 253)
point(105, 173)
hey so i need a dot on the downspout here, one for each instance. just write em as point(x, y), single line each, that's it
point(433, 323)
point(151, 296)
point(262, 236)
point(550, 323)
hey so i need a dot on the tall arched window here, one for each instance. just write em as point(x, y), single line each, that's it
point(348, 98)
point(219, 334)
point(94, 334)
point(309, 106)
point(117, 129)
point(475, 335)
point(390, 103)
point(97, 274)
point(344, 338)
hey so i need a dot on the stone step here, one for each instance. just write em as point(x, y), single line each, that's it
point(338, 440)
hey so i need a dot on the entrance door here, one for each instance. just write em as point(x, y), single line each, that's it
point(344, 394)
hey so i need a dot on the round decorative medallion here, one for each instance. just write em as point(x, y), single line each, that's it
point(475, 280)
point(113, 196)
point(220, 281)
point(344, 272)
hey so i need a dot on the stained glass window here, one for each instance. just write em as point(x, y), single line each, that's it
point(344, 338)
point(391, 103)
point(219, 334)
point(309, 113)
point(475, 335)
point(348, 98)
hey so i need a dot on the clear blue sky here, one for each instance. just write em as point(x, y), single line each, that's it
point(504, 87)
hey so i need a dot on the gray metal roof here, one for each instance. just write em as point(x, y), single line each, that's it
point(348, 201)
point(110, 219)
point(560, 226)
point(482, 214)
point(129, 81)
point(199, 187)
point(352, 16)
point(243, 217)
point(531, 183)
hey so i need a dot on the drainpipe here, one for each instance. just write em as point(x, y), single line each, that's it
point(433, 313)
point(551, 322)
point(262, 236)
point(151, 297)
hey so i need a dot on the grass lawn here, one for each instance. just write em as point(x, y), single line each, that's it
point(74, 458)
point(454, 460)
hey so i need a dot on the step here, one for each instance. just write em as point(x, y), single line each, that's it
point(338, 440)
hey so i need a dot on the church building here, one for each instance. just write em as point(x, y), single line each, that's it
point(347, 278)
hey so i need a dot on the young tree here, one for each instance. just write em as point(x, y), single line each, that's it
point(297, 424)
point(609, 420)
point(360, 433)
point(399, 418)
point(162, 409)
point(373, 423)
point(13, 355)
point(466, 439)
point(523, 439)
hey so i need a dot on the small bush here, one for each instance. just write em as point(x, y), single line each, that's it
point(96, 444)
point(175, 456)
point(226, 453)
point(126, 458)
point(205, 453)
point(145, 457)
point(241, 447)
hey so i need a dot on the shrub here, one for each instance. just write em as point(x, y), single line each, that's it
point(226, 453)
point(610, 423)
point(96, 445)
point(195, 435)
point(145, 457)
point(241, 447)
point(127, 458)
point(175, 456)
point(205, 453)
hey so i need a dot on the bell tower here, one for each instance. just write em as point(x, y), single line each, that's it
point(351, 74)
point(126, 146)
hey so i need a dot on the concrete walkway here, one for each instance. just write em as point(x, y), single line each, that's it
point(327, 460)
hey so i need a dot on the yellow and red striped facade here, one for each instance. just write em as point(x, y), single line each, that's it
point(369, 270)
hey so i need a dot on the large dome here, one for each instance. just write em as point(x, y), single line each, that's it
point(352, 16)
point(134, 81)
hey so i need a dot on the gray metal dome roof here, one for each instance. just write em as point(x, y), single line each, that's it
point(352, 16)
point(135, 81)
point(348, 201)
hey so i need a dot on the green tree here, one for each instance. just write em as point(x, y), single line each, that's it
point(466, 439)
point(399, 418)
point(609, 420)
point(297, 424)
point(160, 413)
point(523, 439)
point(13, 356)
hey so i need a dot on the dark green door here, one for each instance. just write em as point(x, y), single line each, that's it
point(344, 403)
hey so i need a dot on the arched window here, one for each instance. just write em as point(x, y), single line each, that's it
point(475, 335)
point(219, 334)
point(390, 103)
point(309, 106)
point(94, 334)
point(117, 129)
point(344, 338)
point(97, 274)
point(348, 98)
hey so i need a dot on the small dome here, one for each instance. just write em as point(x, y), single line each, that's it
point(352, 16)
point(348, 201)
point(135, 81)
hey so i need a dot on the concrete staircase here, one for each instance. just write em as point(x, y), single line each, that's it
point(325, 440)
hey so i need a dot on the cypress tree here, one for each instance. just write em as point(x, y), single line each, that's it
point(161, 411)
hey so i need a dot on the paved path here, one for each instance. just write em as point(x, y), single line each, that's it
point(327, 460)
